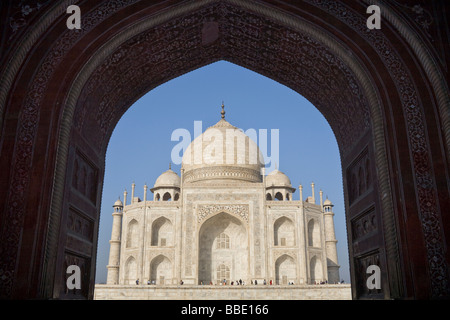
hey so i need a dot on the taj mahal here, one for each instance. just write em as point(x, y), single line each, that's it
point(222, 220)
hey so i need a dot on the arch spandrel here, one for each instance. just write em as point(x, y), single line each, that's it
point(204, 212)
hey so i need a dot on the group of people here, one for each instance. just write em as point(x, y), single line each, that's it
point(239, 282)
point(326, 282)
point(148, 282)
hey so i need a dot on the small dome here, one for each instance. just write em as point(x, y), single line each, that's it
point(327, 203)
point(168, 179)
point(277, 179)
point(118, 203)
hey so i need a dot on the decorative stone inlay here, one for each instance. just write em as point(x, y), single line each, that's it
point(239, 210)
point(222, 172)
point(277, 253)
point(166, 252)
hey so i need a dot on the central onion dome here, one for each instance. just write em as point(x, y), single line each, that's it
point(222, 153)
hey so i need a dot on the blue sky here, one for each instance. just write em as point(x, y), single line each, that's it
point(308, 151)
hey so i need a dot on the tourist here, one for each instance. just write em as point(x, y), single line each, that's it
point(264, 281)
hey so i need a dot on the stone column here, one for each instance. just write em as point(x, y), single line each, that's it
point(114, 251)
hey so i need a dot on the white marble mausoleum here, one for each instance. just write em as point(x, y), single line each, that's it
point(222, 219)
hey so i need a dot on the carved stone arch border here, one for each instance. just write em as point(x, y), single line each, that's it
point(437, 79)
point(155, 254)
point(275, 218)
point(243, 218)
point(278, 254)
point(362, 75)
point(23, 48)
point(416, 133)
point(159, 217)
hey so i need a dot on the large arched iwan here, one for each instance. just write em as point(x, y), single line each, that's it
point(383, 101)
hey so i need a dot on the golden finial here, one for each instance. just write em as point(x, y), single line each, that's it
point(170, 165)
point(223, 111)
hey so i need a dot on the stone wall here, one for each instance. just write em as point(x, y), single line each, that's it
point(260, 292)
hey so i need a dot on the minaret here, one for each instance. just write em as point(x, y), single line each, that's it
point(330, 242)
point(321, 200)
point(114, 251)
point(300, 189)
point(313, 193)
point(132, 192)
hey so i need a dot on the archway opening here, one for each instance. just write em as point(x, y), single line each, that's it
point(366, 83)
point(223, 250)
point(300, 166)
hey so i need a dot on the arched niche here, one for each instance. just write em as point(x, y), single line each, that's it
point(162, 232)
point(161, 271)
point(285, 270)
point(284, 232)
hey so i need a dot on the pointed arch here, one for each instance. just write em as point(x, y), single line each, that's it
point(278, 196)
point(130, 275)
point(167, 196)
point(234, 254)
point(315, 269)
point(313, 233)
point(285, 270)
point(161, 270)
point(132, 234)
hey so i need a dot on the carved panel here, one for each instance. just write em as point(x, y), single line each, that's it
point(359, 179)
point(84, 264)
point(80, 225)
point(21, 13)
point(78, 245)
point(85, 177)
point(364, 225)
point(189, 242)
point(361, 275)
